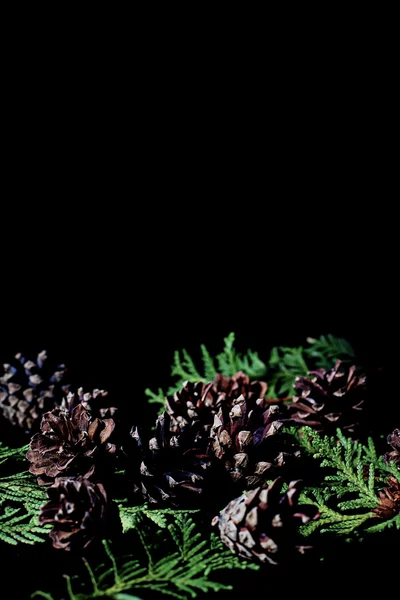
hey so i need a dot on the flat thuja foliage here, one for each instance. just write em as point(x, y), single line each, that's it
point(228, 362)
point(283, 366)
point(349, 491)
point(287, 363)
point(20, 500)
point(178, 562)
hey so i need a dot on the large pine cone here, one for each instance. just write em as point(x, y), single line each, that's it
point(171, 471)
point(389, 499)
point(329, 399)
point(195, 404)
point(394, 441)
point(29, 388)
point(244, 438)
point(78, 510)
point(70, 443)
point(262, 524)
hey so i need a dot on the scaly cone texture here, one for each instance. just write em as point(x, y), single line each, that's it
point(244, 438)
point(262, 524)
point(329, 399)
point(174, 473)
point(78, 511)
point(70, 443)
point(29, 388)
point(394, 441)
point(389, 500)
point(92, 402)
point(195, 404)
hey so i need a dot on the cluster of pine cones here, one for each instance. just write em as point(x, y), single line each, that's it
point(213, 441)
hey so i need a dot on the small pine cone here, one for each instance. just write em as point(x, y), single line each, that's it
point(262, 524)
point(70, 443)
point(389, 499)
point(244, 438)
point(394, 441)
point(195, 404)
point(29, 388)
point(78, 510)
point(329, 399)
point(170, 473)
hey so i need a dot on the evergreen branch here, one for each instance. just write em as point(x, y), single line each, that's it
point(130, 515)
point(20, 501)
point(327, 349)
point(389, 523)
point(155, 397)
point(287, 363)
point(7, 453)
point(181, 574)
point(330, 520)
point(228, 362)
point(18, 525)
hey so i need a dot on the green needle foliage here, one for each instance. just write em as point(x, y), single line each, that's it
point(182, 573)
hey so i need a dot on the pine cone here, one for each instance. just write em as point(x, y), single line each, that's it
point(195, 405)
point(30, 388)
point(394, 441)
point(95, 403)
point(243, 438)
point(70, 443)
point(171, 472)
point(389, 499)
point(328, 400)
point(262, 524)
point(79, 511)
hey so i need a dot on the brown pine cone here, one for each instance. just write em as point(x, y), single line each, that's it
point(78, 510)
point(70, 443)
point(29, 388)
point(195, 404)
point(329, 399)
point(394, 441)
point(245, 438)
point(262, 524)
point(389, 499)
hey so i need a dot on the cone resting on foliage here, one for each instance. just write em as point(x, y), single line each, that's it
point(195, 404)
point(214, 439)
point(262, 525)
point(78, 510)
point(389, 499)
point(329, 399)
point(394, 441)
point(70, 443)
point(29, 388)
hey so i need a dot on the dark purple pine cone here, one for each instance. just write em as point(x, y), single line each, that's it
point(193, 407)
point(78, 510)
point(70, 443)
point(394, 441)
point(329, 399)
point(262, 525)
point(173, 472)
point(29, 388)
